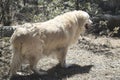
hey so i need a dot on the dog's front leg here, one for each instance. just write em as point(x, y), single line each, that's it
point(61, 56)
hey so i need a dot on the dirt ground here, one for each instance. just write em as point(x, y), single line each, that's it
point(92, 58)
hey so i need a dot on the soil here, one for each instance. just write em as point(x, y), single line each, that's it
point(91, 58)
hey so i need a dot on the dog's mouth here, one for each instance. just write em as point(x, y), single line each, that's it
point(87, 26)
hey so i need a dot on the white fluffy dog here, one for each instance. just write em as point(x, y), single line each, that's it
point(37, 40)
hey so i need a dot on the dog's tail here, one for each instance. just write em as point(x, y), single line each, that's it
point(16, 47)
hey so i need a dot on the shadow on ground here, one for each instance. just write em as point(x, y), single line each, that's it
point(56, 73)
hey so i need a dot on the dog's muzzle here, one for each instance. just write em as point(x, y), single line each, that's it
point(88, 24)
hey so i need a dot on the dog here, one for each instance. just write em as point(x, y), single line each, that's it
point(31, 43)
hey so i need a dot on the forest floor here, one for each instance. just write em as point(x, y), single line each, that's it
point(92, 59)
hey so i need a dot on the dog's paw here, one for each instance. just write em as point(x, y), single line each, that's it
point(66, 65)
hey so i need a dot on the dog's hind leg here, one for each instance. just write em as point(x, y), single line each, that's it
point(15, 63)
point(33, 66)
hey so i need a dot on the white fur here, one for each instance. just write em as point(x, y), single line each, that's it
point(43, 39)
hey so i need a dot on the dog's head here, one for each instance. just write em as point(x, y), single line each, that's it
point(83, 19)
